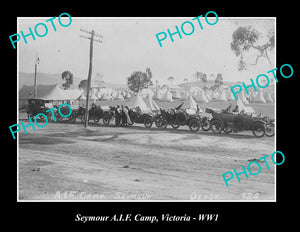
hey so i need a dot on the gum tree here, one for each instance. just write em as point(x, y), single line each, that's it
point(171, 79)
point(139, 80)
point(246, 40)
point(83, 85)
point(198, 75)
point(67, 76)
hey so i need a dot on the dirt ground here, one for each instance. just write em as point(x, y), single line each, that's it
point(67, 162)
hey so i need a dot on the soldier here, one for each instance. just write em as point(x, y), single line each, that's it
point(127, 114)
point(236, 109)
point(123, 116)
point(118, 115)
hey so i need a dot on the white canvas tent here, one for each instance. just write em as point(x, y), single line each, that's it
point(221, 95)
point(176, 94)
point(241, 106)
point(73, 93)
point(128, 95)
point(229, 95)
point(259, 98)
point(119, 96)
point(189, 103)
point(201, 97)
point(184, 95)
point(56, 93)
point(194, 90)
point(157, 95)
point(214, 94)
point(146, 92)
point(105, 96)
point(137, 101)
point(208, 94)
point(167, 96)
point(268, 97)
point(93, 94)
point(244, 99)
point(151, 104)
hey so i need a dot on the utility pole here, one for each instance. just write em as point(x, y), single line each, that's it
point(93, 34)
point(36, 62)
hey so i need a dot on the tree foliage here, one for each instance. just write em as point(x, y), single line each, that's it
point(241, 64)
point(219, 79)
point(247, 39)
point(67, 76)
point(171, 79)
point(148, 72)
point(139, 80)
point(83, 85)
point(198, 75)
point(204, 77)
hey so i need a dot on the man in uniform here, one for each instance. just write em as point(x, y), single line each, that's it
point(118, 115)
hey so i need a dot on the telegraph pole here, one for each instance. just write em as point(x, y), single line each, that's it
point(36, 62)
point(93, 34)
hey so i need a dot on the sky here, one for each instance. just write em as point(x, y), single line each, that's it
point(130, 44)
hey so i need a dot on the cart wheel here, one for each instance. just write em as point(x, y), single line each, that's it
point(175, 124)
point(270, 129)
point(216, 126)
point(72, 118)
point(49, 116)
point(130, 123)
point(227, 130)
point(30, 116)
point(106, 120)
point(163, 122)
point(194, 125)
point(96, 119)
point(157, 123)
point(258, 129)
point(58, 117)
point(41, 117)
point(148, 121)
point(205, 125)
point(81, 117)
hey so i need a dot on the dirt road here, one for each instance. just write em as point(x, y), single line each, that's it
point(67, 162)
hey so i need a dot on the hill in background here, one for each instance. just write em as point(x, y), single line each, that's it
point(51, 79)
point(208, 84)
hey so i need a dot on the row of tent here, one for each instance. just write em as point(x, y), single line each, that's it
point(201, 95)
point(218, 94)
point(148, 104)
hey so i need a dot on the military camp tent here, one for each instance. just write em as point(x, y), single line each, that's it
point(44, 92)
point(151, 104)
point(241, 106)
point(221, 96)
point(137, 101)
point(259, 98)
point(119, 96)
point(267, 96)
point(167, 96)
point(201, 97)
point(176, 94)
point(189, 103)
point(157, 94)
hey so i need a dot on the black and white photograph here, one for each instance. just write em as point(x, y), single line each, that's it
point(164, 122)
point(139, 114)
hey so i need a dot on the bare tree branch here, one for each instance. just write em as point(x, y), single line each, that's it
point(266, 52)
point(257, 58)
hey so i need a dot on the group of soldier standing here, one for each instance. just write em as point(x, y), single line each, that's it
point(122, 115)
